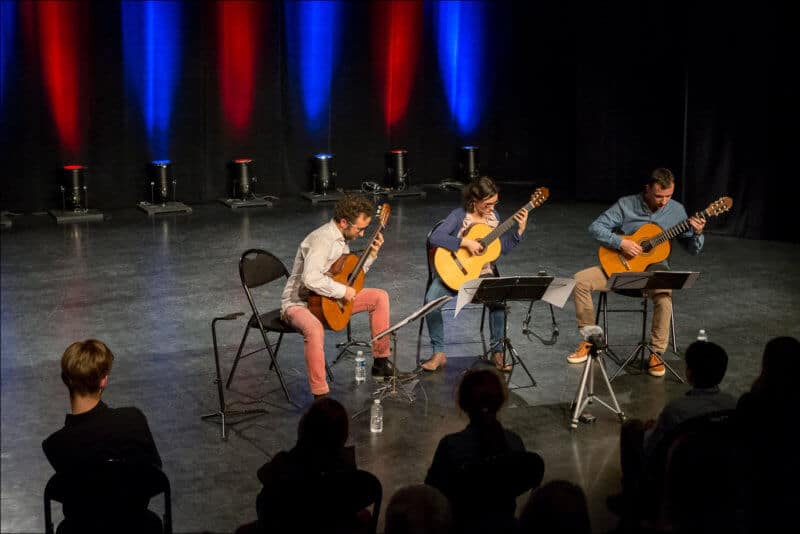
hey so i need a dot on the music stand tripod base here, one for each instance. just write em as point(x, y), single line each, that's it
point(315, 198)
point(166, 207)
point(223, 411)
point(234, 203)
point(67, 216)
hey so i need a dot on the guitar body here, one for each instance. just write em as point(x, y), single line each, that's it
point(613, 261)
point(455, 268)
point(335, 314)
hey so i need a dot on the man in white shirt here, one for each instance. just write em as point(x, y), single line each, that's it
point(315, 256)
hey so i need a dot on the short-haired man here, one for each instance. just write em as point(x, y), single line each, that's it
point(628, 214)
point(93, 432)
point(316, 254)
point(706, 364)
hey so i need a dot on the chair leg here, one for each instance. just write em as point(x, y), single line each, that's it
point(672, 328)
point(238, 355)
point(273, 357)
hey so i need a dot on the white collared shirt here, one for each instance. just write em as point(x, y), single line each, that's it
point(315, 255)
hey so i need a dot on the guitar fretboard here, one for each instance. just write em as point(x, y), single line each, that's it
point(673, 232)
point(504, 227)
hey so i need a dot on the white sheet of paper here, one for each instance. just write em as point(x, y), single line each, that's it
point(559, 291)
point(466, 292)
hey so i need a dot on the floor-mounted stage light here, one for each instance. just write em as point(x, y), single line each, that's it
point(467, 168)
point(242, 179)
point(322, 178)
point(74, 196)
point(468, 165)
point(162, 184)
point(398, 175)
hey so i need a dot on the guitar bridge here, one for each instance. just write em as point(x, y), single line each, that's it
point(624, 262)
point(458, 263)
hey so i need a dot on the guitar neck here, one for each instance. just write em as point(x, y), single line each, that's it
point(504, 227)
point(676, 230)
point(363, 258)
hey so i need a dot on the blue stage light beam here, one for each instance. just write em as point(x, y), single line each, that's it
point(312, 34)
point(8, 26)
point(460, 41)
point(151, 39)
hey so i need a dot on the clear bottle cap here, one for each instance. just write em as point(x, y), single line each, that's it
point(377, 401)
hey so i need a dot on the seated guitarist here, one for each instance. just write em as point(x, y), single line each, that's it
point(315, 256)
point(653, 205)
point(480, 198)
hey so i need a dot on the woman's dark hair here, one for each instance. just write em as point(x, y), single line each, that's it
point(558, 506)
point(324, 427)
point(481, 394)
point(477, 190)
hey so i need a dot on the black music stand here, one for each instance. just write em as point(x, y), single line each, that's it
point(223, 411)
point(508, 288)
point(396, 384)
point(649, 280)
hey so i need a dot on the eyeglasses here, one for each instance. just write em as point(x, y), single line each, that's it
point(490, 204)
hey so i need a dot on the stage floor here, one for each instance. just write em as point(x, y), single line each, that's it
point(150, 286)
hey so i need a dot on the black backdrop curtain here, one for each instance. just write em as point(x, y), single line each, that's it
point(585, 98)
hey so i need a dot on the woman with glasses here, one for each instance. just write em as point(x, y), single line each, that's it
point(480, 200)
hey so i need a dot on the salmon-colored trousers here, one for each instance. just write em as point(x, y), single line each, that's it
point(375, 301)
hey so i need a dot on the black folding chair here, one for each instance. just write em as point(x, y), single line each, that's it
point(111, 496)
point(256, 268)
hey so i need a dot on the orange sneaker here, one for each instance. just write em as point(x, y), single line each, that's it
point(656, 367)
point(581, 354)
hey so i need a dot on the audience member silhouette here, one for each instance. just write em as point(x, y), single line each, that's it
point(643, 444)
point(419, 509)
point(321, 465)
point(482, 468)
point(95, 434)
point(558, 507)
point(768, 462)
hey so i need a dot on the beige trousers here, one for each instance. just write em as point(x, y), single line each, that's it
point(594, 279)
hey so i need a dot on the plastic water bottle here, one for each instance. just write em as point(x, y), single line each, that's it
point(701, 335)
point(361, 368)
point(376, 417)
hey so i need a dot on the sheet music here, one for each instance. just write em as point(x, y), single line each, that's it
point(559, 291)
point(556, 293)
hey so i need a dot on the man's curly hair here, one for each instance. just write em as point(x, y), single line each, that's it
point(351, 206)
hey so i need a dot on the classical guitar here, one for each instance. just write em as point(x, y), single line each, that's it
point(334, 314)
point(455, 268)
point(654, 242)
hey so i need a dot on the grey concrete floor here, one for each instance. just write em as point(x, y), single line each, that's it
point(150, 286)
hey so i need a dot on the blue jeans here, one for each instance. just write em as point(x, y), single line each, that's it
point(497, 319)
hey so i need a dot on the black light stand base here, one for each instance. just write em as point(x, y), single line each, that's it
point(315, 198)
point(167, 207)
point(408, 192)
point(5, 219)
point(64, 216)
point(234, 203)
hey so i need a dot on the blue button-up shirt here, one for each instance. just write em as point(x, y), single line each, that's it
point(629, 213)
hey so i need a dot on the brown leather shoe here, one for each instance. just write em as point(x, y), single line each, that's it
point(436, 362)
point(500, 363)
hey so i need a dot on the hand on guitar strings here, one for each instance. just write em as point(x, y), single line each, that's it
point(630, 249)
point(474, 247)
point(522, 220)
point(376, 245)
point(697, 224)
point(349, 294)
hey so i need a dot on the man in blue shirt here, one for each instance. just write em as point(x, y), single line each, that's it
point(653, 205)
